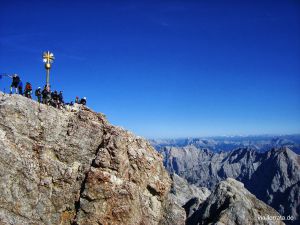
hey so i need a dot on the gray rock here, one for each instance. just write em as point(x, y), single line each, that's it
point(231, 203)
point(183, 192)
point(73, 167)
point(174, 214)
point(186, 195)
point(272, 176)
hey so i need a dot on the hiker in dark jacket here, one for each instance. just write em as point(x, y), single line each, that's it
point(20, 88)
point(38, 94)
point(55, 99)
point(46, 94)
point(61, 98)
point(15, 83)
point(83, 101)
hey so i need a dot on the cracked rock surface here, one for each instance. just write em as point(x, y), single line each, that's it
point(73, 167)
point(232, 203)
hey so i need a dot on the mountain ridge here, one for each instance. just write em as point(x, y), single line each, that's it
point(272, 176)
point(260, 143)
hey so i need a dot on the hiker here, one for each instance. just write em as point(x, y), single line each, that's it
point(38, 94)
point(77, 100)
point(52, 94)
point(28, 90)
point(46, 94)
point(15, 83)
point(55, 99)
point(20, 88)
point(61, 98)
point(83, 101)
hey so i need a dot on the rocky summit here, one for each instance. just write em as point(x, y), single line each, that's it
point(72, 167)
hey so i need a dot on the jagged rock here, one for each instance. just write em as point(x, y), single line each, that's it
point(73, 167)
point(183, 192)
point(272, 176)
point(187, 195)
point(174, 214)
point(231, 203)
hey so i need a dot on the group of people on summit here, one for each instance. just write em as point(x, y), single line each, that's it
point(45, 96)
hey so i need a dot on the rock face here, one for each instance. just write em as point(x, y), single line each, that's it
point(273, 176)
point(183, 192)
point(231, 203)
point(186, 195)
point(73, 167)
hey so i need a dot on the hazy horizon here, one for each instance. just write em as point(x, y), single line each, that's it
point(223, 136)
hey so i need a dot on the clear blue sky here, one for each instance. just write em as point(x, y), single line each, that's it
point(164, 68)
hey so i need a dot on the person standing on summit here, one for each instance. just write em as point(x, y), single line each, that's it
point(28, 90)
point(38, 94)
point(20, 88)
point(83, 101)
point(15, 83)
point(46, 93)
point(61, 97)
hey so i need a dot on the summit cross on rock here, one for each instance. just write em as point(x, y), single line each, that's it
point(48, 58)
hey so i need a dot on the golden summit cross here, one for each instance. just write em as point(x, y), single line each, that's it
point(48, 57)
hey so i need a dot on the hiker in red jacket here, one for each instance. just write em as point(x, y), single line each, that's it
point(28, 90)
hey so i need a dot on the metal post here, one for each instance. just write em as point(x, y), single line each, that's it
point(48, 78)
point(48, 58)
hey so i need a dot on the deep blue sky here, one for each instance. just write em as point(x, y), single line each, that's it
point(164, 68)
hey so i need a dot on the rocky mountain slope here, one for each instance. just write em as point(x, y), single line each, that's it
point(273, 176)
point(231, 203)
point(73, 167)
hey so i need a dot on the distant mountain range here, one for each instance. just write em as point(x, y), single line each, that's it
point(272, 176)
point(228, 143)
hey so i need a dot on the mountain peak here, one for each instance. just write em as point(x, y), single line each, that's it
point(71, 166)
point(231, 203)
